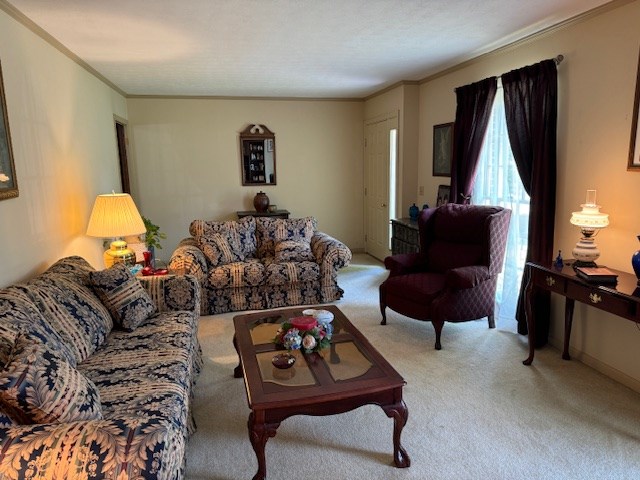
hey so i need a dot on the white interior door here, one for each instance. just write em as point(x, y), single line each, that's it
point(379, 184)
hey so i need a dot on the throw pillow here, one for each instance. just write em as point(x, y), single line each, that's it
point(293, 251)
point(239, 232)
point(271, 230)
point(123, 295)
point(38, 386)
point(219, 249)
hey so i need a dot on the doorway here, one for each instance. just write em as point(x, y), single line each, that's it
point(381, 152)
point(122, 156)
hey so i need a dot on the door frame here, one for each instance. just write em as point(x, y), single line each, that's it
point(393, 122)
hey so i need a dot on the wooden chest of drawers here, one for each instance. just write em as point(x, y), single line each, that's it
point(404, 236)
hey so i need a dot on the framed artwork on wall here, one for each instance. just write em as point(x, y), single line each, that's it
point(443, 195)
point(442, 149)
point(8, 180)
point(634, 146)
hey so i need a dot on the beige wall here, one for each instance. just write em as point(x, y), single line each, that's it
point(186, 162)
point(596, 91)
point(402, 100)
point(61, 122)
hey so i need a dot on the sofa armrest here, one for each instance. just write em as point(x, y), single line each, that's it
point(330, 251)
point(173, 292)
point(466, 277)
point(96, 449)
point(188, 259)
point(403, 263)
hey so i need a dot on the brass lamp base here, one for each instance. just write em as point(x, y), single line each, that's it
point(119, 253)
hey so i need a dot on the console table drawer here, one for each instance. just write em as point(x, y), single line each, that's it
point(549, 281)
point(596, 298)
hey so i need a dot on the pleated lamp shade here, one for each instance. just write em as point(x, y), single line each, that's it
point(115, 215)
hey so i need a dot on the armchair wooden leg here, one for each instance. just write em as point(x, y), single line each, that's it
point(437, 325)
point(492, 321)
point(383, 310)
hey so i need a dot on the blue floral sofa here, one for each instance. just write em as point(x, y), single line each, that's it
point(98, 371)
point(257, 263)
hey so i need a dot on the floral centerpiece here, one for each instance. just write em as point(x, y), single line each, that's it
point(306, 333)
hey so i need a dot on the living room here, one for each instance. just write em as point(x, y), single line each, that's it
point(184, 154)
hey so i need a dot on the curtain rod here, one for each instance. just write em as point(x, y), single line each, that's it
point(557, 60)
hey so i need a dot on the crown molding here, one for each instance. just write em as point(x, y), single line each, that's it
point(28, 23)
point(222, 97)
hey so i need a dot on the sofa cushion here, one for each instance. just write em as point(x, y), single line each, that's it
point(123, 295)
point(293, 251)
point(249, 273)
point(73, 268)
point(220, 249)
point(271, 230)
point(242, 232)
point(18, 313)
point(73, 311)
point(147, 373)
point(39, 386)
point(291, 273)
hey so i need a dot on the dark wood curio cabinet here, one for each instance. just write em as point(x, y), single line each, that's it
point(258, 155)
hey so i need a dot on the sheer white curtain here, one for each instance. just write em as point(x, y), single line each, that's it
point(498, 183)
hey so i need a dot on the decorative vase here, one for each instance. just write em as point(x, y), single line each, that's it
point(635, 263)
point(261, 202)
point(414, 211)
point(147, 258)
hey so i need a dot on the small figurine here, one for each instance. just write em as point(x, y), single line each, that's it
point(558, 263)
point(414, 212)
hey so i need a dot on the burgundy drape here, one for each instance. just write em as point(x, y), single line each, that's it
point(473, 111)
point(531, 107)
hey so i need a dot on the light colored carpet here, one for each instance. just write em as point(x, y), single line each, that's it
point(475, 412)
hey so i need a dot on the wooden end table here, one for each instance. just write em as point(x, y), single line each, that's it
point(349, 374)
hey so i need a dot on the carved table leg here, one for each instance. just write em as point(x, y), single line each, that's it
point(399, 413)
point(531, 324)
point(237, 372)
point(568, 320)
point(259, 433)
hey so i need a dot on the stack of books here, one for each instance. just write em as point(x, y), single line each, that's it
point(597, 274)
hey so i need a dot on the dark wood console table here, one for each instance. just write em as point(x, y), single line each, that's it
point(621, 299)
point(275, 214)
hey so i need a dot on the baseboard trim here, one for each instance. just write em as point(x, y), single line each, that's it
point(602, 367)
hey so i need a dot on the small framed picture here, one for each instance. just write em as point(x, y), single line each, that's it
point(443, 195)
point(442, 149)
point(8, 180)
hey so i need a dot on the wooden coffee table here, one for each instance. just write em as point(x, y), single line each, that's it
point(349, 374)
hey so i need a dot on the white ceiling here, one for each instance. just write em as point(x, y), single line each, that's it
point(285, 48)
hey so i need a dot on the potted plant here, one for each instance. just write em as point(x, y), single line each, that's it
point(152, 237)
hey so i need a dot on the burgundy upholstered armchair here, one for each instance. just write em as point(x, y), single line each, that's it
point(453, 277)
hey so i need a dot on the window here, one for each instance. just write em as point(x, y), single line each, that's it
point(498, 183)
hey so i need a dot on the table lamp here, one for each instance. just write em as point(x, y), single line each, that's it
point(115, 215)
point(590, 221)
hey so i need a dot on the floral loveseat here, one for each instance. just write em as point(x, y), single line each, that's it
point(261, 262)
point(97, 374)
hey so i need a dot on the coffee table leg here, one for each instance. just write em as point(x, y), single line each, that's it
point(399, 413)
point(237, 372)
point(259, 433)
